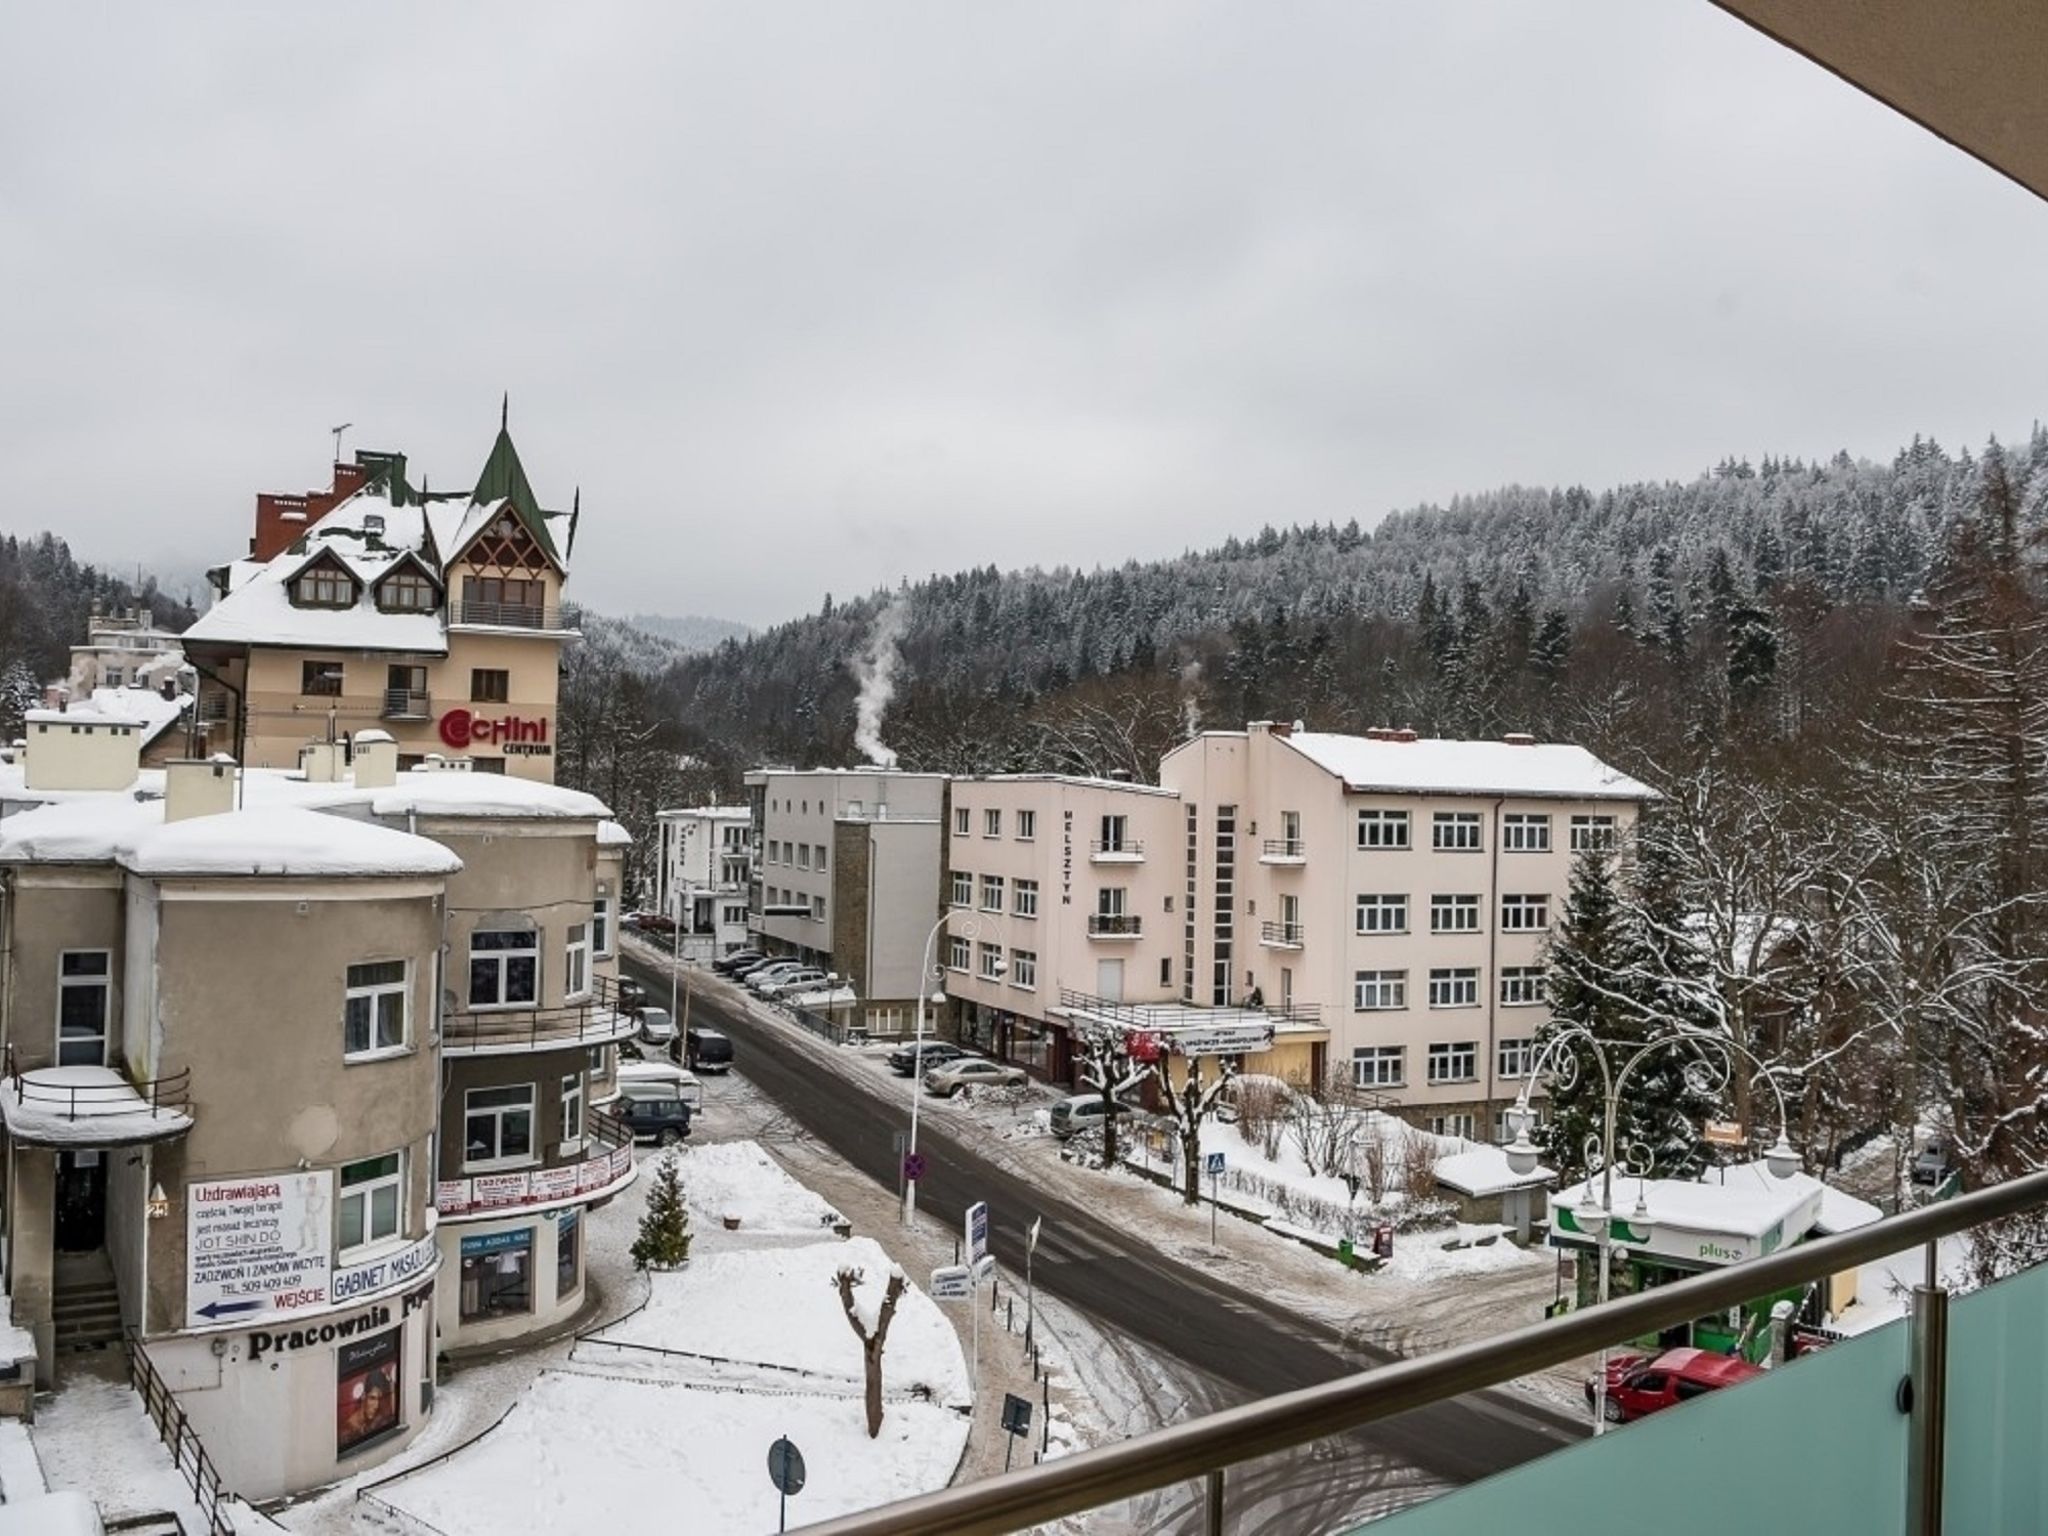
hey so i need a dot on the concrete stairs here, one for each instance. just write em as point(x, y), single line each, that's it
point(85, 1307)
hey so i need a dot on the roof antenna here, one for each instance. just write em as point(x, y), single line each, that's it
point(337, 431)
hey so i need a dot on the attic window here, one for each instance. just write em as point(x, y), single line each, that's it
point(324, 586)
point(406, 591)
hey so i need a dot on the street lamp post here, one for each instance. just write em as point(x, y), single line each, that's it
point(1596, 1218)
point(927, 973)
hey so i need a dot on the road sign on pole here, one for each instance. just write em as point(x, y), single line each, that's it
point(1016, 1422)
point(786, 1471)
point(953, 1282)
point(1212, 1164)
point(977, 1230)
point(913, 1167)
point(1030, 1296)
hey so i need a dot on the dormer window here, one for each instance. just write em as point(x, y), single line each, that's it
point(407, 591)
point(324, 586)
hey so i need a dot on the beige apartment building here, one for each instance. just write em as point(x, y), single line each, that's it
point(1404, 888)
point(435, 617)
point(846, 877)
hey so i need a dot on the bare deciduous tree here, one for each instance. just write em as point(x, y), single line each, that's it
point(872, 1339)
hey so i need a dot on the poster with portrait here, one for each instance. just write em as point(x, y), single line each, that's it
point(366, 1385)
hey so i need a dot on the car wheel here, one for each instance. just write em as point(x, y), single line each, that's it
point(1611, 1411)
point(669, 1137)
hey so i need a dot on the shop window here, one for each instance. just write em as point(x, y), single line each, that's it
point(497, 1126)
point(504, 968)
point(497, 1275)
point(568, 1253)
point(83, 999)
point(366, 1390)
point(373, 1009)
point(372, 1200)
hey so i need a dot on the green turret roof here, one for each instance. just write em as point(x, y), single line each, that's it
point(504, 479)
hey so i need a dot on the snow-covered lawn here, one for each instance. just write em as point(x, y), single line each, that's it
point(778, 1308)
point(736, 1178)
point(591, 1453)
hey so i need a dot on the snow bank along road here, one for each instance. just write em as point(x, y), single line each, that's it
point(1233, 1335)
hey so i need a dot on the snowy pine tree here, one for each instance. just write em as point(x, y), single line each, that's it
point(664, 1240)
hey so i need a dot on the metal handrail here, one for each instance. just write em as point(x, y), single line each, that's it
point(1280, 933)
point(1113, 846)
point(1284, 848)
point(1204, 1446)
point(1168, 1016)
point(188, 1454)
point(172, 1094)
point(400, 703)
point(1114, 925)
point(586, 1023)
point(506, 615)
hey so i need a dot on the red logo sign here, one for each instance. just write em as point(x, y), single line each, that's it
point(460, 728)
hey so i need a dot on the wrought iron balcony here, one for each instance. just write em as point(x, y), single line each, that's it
point(403, 704)
point(506, 615)
point(1123, 850)
point(1283, 850)
point(601, 1019)
point(1280, 935)
point(1114, 925)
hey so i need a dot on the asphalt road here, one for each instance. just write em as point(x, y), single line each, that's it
point(1235, 1336)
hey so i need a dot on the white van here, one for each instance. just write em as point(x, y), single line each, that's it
point(663, 1076)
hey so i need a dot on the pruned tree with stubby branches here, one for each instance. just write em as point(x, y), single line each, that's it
point(873, 1335)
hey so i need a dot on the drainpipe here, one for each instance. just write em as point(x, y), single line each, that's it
point(1493, 963)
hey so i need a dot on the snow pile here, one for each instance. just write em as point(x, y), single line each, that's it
point(779, 1308)
point(84, 827)
point(279, 840)
point(82, 1106)
point(736, 1178)
point(583, 1453)
point(50, 1514)
point(611, 834)
point(1462, 1250)
point(1479, 1171)
point(93, 1437)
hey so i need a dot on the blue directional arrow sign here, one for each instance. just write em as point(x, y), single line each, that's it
point(213, 1311)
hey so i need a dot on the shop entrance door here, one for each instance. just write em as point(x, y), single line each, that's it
point(81, 1201)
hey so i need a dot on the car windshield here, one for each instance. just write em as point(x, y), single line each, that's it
point(655, 1018)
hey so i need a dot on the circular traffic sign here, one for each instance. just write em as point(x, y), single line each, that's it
point(913, 1166)
point(786, 1466)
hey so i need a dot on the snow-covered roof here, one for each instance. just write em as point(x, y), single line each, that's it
point(1745, 1200)
point(610, 834)
point(1070, 780)
point(1436, 766)
point(258, 609)
point(147, 707)
point(709, 812)
point(284, 841)
point(83, 1107)
point(479, 794)
point(1480, 1171)
point(1840, 1211)
point(82, 828)
point(86, 714)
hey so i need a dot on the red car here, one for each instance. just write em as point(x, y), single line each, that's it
point(1640, 1384)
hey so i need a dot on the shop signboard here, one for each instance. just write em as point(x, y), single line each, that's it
point(1219, 1039)
point(539, 1186)
point(381, 1274)
point(257, 1247)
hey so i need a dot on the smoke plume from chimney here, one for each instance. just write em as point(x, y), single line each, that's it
point(876, 670)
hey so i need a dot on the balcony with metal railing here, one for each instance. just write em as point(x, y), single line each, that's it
point(405, 704)
point(92, 1106)
point(1115, 925)
point(603, 1018)
point(1281, 935)
point(1935, 1422)
point(530, 616)
point(1116, 850)
point(1287, 852)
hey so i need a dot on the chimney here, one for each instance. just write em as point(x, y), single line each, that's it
point(168, 689)
point(348, 479)
point(81, 751)
point(279, 520)
point(199, 788)
point(320, 761)
point(376, 760)
point(1519, 739)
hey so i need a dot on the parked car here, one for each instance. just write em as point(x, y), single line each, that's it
point(653, 1111)
point(651, 922)
point(1082, 1112)
point(747, 968)
point(757, 979)
point(660, 1079)
point(727, 965)
point(971, 1072)
point(1930, 1165)
point(657, 1028)
point(807, 979)
point(706, 1050)
point(1642, 1384)
point(906, 1059)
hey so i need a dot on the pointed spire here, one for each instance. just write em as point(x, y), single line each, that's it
point(505, 412)
point(575, 514)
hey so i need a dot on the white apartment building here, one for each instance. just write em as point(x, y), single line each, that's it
point(1404, 887)
point(846, 877)
point(1074, 885)
point(704, 861)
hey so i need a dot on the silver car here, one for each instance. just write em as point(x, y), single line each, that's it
point(971, 1072)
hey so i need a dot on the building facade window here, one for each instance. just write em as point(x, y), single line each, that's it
point(1024, 898)
point(373, 1008)
point(803, 855)
point(497, 1275)
point(992, 823)
point(817, 909)
point(576, 963)
point(601, 926)
point(959, 955)
point(1454, 987)
point(1382, 914)
point(1453, 1061)
point(963, 819)
point(1454, 832)
point(504, 968)
point(1382, 829)
point(1027, 826)
point(572, 1112)
point(1024, 968)
point(1593, 834)
point(407, 591)
point(1459, 1123)
point(1379, 1066)
point(991, 962)
point(1454, 914)
point(1524, 914)
point(325, 586)
point(568, 1253)
point(1521, 985)
point(1115, 834)
point(1524, 832)
point(490, 685)
point(991, 893)
point(497, 1126)
point(321, 679)
point(372, 1201)
point(84, 1004)
point(1516, 1057)
point(818, 859)
point(1379, 989)
point(962, 894)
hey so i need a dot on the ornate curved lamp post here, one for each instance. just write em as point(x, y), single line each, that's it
point(970, 927)
point(1713, 1054)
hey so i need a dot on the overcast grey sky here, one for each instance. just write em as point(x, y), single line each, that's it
point(808, 297)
